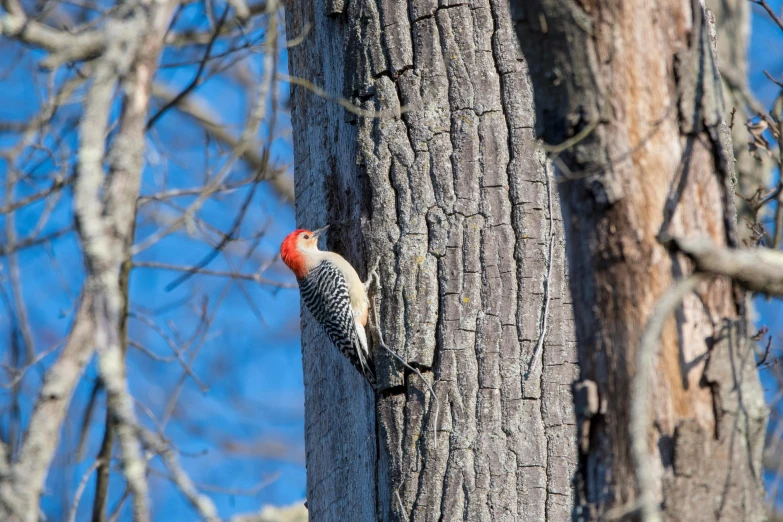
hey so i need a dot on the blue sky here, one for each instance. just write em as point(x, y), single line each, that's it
point(248, 428)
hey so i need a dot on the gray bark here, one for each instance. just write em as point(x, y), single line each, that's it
point(633, 90)
point(447, 187)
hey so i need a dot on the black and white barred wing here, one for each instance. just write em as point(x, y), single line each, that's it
point(325, 293)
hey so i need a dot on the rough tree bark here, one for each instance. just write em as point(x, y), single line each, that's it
point(440, 176)
point(633, 89)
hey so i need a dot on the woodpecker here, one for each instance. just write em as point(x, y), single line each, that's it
point(334, 294)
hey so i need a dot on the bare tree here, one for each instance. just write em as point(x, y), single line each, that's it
point(631, 94)
point(102, 171)
point(429, 163)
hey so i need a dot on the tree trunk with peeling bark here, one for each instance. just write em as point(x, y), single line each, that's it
point(632, 92)
point(434, 169)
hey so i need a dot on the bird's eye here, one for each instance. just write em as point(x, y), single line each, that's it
point(307, 236)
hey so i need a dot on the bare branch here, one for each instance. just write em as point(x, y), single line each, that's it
point(245, 141)
point(32, 198)
point(202, 504)
point(14, 272)
point(80, 489)
point(174, 348)
point(771, 12)
point(197, 78)
point(256, 278)
point(21, 491)
point(106, 227)
point(740, 85)
point(345, 103)
point(66, 46)
point(547, 282)
point(641, 410)
point(281, 181)
point(183, 38)
point(18, 374)
point(193, 191)
point(241, 8)
point(773, 80)
point(758, 270)
point(34, 241)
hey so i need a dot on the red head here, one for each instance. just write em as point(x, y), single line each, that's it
point(296, 248)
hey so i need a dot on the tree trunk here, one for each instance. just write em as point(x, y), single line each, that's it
point(438, 175)
point(632, 91)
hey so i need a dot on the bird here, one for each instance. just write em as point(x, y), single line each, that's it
point(334, 294)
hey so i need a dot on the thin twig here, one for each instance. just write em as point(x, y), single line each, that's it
point(406, 365)
point(739, 84)
point(344, 103)
point(18, 373)
point(192, 191)
point(80, 489)
point(769, 196)
point(177, 351)
point(188, 37)
point(203, 504)
point(399, 500)
point(766, 353)
point(205, 322)
point(256, 278)
point(771, 12)
point(149, 353)
point(196, 79)
point(32, 198)
point(34, 241)
point(547, 283)
point(246, 492)
point(573, 140)
point(772, 79)
point(230, 51)
point(230, 236)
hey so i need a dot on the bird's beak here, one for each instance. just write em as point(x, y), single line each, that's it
point(317, 233)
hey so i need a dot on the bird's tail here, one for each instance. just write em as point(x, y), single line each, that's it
point(365, 363)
